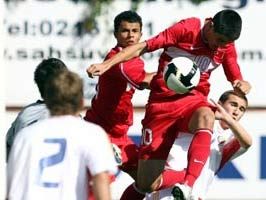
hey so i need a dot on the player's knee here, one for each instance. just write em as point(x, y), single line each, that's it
point(202, 118)
point(207, 117)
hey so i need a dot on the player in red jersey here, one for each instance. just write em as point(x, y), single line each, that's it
point(209, 44)
point(111, 107)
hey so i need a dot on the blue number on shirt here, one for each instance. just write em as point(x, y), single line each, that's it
point(52, 159)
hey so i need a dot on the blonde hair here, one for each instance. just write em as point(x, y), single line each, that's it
point(64, 93)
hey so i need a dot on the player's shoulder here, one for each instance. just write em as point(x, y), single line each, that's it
point(87, 127)
point(33, 112)
point(113, 51)
point(193, 22)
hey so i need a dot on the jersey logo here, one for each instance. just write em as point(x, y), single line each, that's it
point(198, 161)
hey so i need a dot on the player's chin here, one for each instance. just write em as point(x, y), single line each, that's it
point(129, 43)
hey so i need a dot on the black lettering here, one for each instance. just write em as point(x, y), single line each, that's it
point(78, 29)
point(22, 54)
point(251, 55)
point(13, 30)
point(7, 55)
point(149, 27)
point(46, 28)
point(38, 54)
point(62, 26)
point(26, 25)
point(54, 52)
point(86, 54)
point(241, 4)
point(70, 53)
point(101, 54)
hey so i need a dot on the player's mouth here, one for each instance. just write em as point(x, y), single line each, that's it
point(130, 42)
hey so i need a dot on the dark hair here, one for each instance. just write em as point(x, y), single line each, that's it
point(64, 93)
point(48, 67)
point(228, 23)
point(226, 95)
point(128, 16)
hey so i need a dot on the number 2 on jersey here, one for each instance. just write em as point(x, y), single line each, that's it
point(52, 160)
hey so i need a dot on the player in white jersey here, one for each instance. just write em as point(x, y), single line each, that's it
point(35, 111)
point(56, 158)
point(229, 141)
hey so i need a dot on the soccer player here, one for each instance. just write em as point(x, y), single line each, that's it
point(209, 44)
point(111, 107)
point(54, 158)
point(229, 140)
point(35, 111)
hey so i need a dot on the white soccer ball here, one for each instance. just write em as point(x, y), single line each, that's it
point(181, 75)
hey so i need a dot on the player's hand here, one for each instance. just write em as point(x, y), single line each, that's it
point(96, 69)
point(242, 86)
point(221, 113)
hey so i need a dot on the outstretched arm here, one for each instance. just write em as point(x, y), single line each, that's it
point(126, 54)
point(238, 130)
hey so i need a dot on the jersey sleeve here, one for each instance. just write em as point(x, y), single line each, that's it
point(178, 32)
point(133, 71)
point(230, 65)
point(166, 38)
point(99, 157)
point(230, 151)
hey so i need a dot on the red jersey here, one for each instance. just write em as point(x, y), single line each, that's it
point(111, 107)
point(185, 39)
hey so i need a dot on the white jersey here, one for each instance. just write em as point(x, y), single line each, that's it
point(52, 159)
point(177, 160)
point(27, 116)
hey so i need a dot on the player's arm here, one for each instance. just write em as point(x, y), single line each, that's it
point(101, 186)
point(232, 70)
point(124, 55)
point(237, 145)
point(241, 86)
point(238, 130)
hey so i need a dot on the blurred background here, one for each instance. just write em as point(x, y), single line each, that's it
point(80, 32)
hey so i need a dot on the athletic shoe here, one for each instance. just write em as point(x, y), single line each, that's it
point(181, 192)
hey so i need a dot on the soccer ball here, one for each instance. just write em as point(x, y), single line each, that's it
point(181, 75)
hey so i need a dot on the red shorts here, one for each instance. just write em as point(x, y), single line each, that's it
point(129, 152)
point(163, 121)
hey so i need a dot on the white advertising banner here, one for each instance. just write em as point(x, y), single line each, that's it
point(37, 29)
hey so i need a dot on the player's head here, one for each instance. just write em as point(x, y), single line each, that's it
point(234, 103)
point(225, 27)
point(228, 23)
point(127, 28)
point(63, 93)
point(48, 67)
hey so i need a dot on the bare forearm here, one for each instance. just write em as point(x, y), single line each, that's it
point(126, 54)
point(101, 187)
point(240, 133)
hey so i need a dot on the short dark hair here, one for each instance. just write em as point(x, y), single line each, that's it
point(48, 67)
point(223, 98)
point(128, 16)
point(228, 23)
